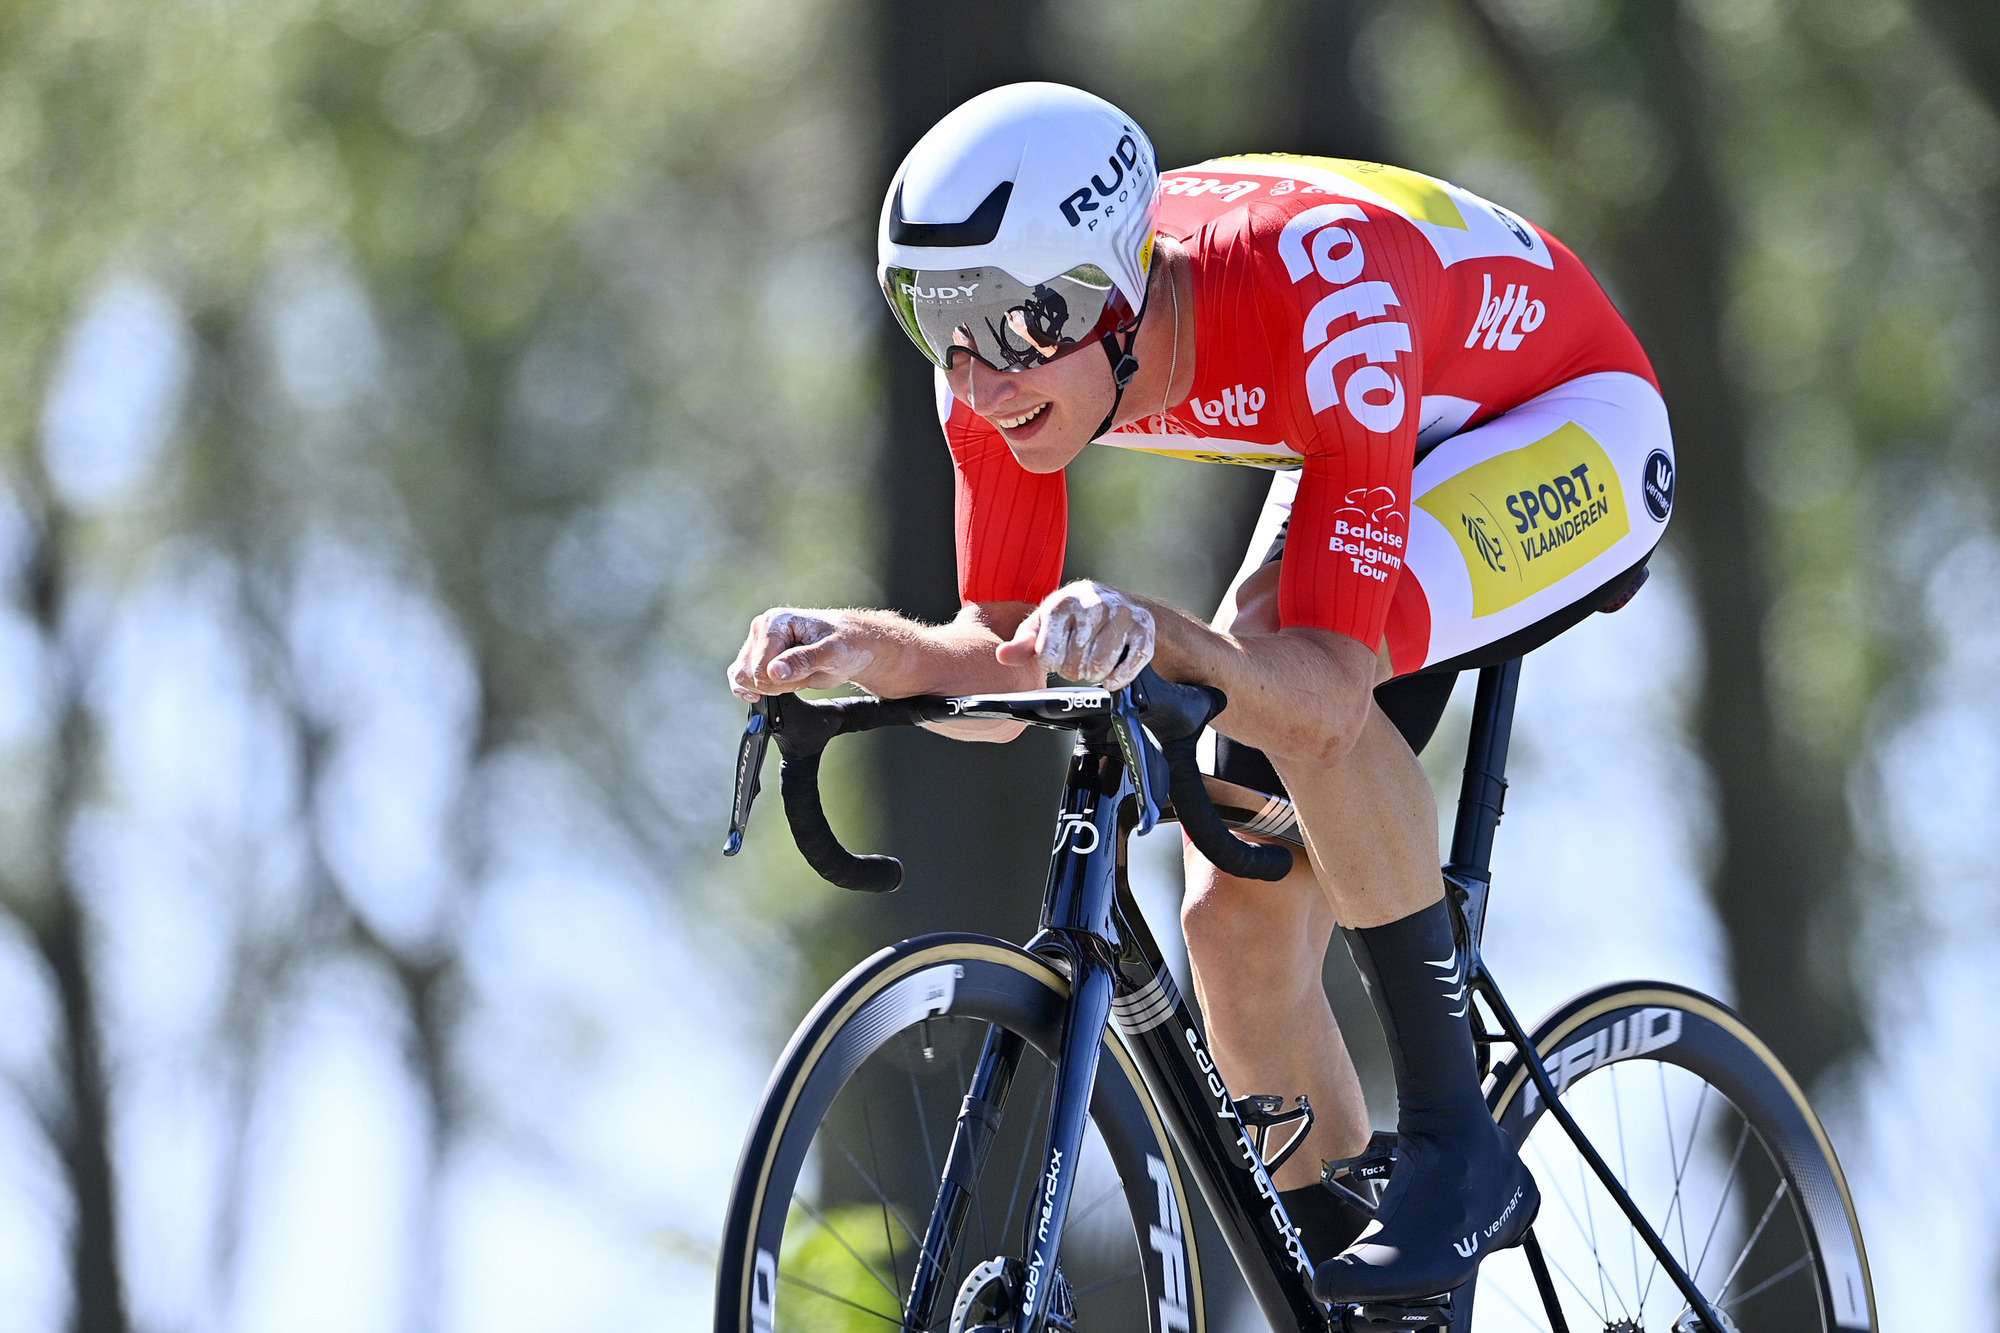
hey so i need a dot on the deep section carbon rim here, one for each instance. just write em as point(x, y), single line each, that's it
point(839, 1177)
point(1715, 1144)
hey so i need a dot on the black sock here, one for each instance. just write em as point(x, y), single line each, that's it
point(1416, 978)
point(1327, 1224)
point(1459, 1191)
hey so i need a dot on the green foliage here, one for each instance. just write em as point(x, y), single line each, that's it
point(833, 1264)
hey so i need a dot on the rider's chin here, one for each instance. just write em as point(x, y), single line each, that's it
point(1044, 450)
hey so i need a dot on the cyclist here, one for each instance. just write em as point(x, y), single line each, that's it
point(1471, 455)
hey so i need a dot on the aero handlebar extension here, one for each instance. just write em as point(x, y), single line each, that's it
point(1157, 721)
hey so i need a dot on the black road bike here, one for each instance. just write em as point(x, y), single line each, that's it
point(966, 1134)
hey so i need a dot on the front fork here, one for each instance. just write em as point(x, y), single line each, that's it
point(979, 1122)
point(1069, 1111)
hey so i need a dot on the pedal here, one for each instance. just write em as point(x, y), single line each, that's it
point(1262, 1112)
point(1430, 1312)
point(1361, 1179)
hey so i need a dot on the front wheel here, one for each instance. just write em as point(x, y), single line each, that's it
point(1717, 1146)
point(835, 1190)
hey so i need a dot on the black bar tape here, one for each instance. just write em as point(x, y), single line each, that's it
point(1211, 837)
point(798, 780)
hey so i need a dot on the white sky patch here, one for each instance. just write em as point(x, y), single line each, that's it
point(329, 351)
point(194, 749)
point(170, 1148)
point(602, 986)
point(337, 1154)
point(117, 393)
point(382, 665)
point(1928, 1093)
point(34, 1211)
point(1597, 865)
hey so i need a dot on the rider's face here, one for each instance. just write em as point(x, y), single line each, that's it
point(1062, 402)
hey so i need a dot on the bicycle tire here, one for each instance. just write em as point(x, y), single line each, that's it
point(1594, 1048)
point(900, 988)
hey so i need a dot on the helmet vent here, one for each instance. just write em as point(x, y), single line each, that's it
point(978, 229)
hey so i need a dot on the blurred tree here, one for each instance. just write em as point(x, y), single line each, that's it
point(1669, 249)
point(471, 301)
point(1970, 31)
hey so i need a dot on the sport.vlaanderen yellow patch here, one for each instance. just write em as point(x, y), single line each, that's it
point(1528, 518)
point(1421, 197)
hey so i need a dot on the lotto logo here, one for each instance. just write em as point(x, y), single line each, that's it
point(1373, 396)
point(1235, 406)
point(1189, 187)
point(1505, 318)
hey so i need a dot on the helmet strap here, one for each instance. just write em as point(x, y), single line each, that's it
point(1123, 367)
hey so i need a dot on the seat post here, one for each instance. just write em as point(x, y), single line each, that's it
point(1483, 791)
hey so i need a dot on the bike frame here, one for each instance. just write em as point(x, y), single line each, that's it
point(1093, 931)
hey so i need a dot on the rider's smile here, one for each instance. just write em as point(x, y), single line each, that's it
point(1046, 413)
point(1015, 423)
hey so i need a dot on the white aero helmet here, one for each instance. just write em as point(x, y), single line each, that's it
point(1020, 227)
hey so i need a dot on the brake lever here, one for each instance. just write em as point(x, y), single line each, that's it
point(749, 771)
point(1125, 725)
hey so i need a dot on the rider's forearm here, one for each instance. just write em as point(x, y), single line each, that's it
point(953, 658)
point(1300, 694)
point(909, 657)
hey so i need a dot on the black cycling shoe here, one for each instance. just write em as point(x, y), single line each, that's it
point(1458, 1190)
point(1451, 1202)
point(1327, 1223)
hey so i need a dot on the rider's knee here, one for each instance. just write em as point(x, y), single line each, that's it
point(1248, 923)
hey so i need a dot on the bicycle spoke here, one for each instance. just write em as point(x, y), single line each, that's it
point(1625, 1174)
point(1750, 1244)
point(1549, 1174)
point(1534, 1320)
point(1581, 1294)
point(1081, 1292)
point(923, 1123)
point(1681, 1161)
point(958, 1058)
point(876, 1189)
point(895, 1268)
point(1590, 1215)
point(1680, 1170)
point(1773, 1280)
point(1097, 1203)
point(841, 1241)
point(1722, 1200)
point(1022, 1169)
point(797, 1281)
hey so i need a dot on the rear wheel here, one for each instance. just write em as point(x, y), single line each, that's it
point(841, 1171)
point(1716, 1145)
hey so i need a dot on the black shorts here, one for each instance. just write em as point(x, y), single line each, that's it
point(1415, 703)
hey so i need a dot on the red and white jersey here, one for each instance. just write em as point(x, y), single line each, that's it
point(1348, 315)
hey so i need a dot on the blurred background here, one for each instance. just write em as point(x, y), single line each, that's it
point(408, 404)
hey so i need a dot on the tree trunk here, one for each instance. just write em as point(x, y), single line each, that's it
point(970, 822)
point(79, 1121)
point(1781, 884)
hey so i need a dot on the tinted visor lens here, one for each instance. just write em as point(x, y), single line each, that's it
point(990, 314)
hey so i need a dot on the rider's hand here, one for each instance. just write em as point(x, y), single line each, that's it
point(1085, 631)
point(788, 649)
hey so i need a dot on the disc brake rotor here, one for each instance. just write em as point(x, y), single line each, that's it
point(989, 1300)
